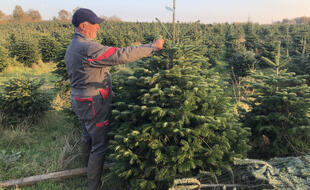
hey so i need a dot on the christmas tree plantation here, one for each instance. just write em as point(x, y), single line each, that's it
point(278, 114)
point(172, 119)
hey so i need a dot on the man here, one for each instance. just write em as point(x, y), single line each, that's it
point(87, 65)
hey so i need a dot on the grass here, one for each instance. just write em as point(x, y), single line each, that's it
point(51, 145)
point(40, 71)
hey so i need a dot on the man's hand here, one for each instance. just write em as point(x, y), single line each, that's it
point(158, 44)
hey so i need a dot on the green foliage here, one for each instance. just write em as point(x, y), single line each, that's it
point(120, 35)
point(232, 43)
point(285, 39)
point(49, 48)
point(25, 50)
point(300, 38)
point(215, 43)
point(61, 70)
point(277, 64)
point(3, 58)
point(241, 63)
point(22, 99)
point(267, 47)
point(251, 39)
point(278, 115)
point(173, 120)
point(300, 65)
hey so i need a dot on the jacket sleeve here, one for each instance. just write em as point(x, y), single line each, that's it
point(100, 56)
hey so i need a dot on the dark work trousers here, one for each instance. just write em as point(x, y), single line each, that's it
point(93, 113)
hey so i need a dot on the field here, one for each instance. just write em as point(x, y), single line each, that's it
point(215, 93)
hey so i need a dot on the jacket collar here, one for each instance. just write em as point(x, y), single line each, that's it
point(77, 34)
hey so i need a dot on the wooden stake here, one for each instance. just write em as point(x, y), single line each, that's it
point(173, 22)
point(58, 176)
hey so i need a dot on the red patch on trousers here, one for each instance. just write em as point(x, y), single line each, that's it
point(90, 99)
point(102, 124)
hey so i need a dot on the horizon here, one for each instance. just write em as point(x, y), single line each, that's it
point(222, 11)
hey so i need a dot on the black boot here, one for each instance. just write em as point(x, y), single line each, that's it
point(94, 171)
point(85, 153)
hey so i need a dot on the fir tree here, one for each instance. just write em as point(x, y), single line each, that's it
point(26, 51)
point(240, 61)
point(232, 42)
point(300, 42)
point(285, 39)
point(172, 119)
point(4, 53)
point(278, 115)
point(250, 37)
point(267, 46)
point(22, 100)
point(215, 42)
point(300, 65)
point(49, 48)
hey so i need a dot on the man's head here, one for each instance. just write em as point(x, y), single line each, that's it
point(86, 22)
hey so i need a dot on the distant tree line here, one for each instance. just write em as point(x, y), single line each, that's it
point(19, 15)
point(298, 20)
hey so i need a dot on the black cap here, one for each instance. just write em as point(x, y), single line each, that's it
point(82, 15)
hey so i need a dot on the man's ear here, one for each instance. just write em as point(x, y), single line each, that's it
point(82, 26)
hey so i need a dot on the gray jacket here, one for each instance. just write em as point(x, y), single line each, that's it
point(87, 63)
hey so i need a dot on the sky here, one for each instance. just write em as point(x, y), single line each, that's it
point(207, 11)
